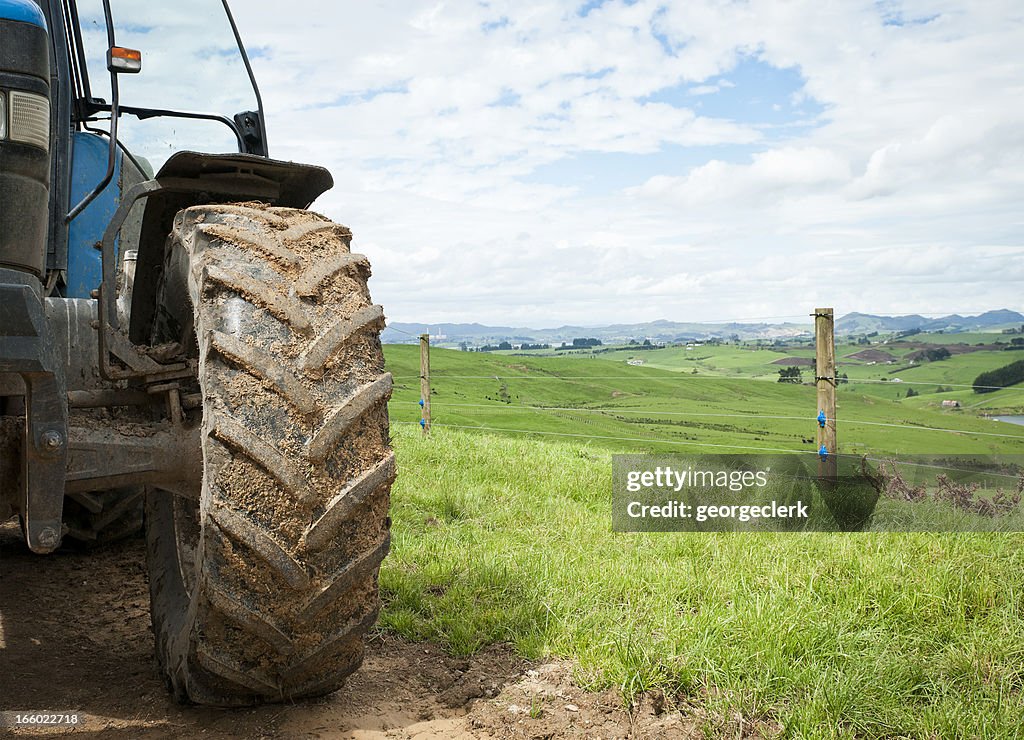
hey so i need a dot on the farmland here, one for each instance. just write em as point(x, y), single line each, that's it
point(885, 368)
point(610, 404)
point(504, 536)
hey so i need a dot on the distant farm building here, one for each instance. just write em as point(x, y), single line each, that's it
point(950, 404)
point(634, 362)
point(871, 355)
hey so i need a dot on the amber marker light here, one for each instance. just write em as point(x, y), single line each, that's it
point(120, 59)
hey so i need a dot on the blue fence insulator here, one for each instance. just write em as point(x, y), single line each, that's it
point(423, 423)
point(822, 419)
point(823, 453)
point(421, 403)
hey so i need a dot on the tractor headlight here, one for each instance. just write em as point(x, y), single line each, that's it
point(29, 119)
point(3, 116)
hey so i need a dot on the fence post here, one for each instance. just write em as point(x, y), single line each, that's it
point(825, 380)
point(425, 382)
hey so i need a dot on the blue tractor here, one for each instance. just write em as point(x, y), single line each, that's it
point(193, 348)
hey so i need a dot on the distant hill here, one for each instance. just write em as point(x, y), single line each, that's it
point(663, 330)
point(657, 331)
point(862, 323)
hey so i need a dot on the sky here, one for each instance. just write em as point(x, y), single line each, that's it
point(542, 163)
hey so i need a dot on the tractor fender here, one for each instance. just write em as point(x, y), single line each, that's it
point(217, 178)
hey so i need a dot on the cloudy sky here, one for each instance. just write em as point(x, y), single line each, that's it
point(541, 163)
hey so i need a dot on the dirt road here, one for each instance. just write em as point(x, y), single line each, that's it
point(75, 637)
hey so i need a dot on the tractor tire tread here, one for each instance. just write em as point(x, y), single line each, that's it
point(294, 450)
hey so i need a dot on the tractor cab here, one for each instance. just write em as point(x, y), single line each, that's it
point(116, 110)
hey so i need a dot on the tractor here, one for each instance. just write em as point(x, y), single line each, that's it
point(190, 352)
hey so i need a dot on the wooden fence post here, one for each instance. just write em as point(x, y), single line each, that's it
point(425, 382)
point(825, 380)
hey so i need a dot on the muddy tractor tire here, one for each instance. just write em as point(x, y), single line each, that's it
point(264, 583)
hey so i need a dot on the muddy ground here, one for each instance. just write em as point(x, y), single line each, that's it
point(75, 637)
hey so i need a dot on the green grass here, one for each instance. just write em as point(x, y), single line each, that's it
point(966, 337)
point(957, 370)
point(752, 361)
point(501, 538)
point(616, 406)
point(723, 360)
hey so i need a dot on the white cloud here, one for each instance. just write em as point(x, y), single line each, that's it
point(771, 175)
point(437, 120)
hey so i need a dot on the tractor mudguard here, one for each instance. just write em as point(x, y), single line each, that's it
point(192, 178)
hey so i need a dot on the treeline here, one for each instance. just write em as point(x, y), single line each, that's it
point(502, 346)
point(1000, 377)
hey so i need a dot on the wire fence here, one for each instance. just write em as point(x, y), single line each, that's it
point(483, 428)
point(612, 410)
point(708, 445)
point(698, 444)
point(685, 377)
point(459, 415)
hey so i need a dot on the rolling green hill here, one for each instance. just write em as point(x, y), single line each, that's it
point(896, 366)
point(617, 406)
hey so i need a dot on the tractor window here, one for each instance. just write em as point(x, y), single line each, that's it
point(190, 63)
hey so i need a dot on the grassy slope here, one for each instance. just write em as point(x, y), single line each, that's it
point(502, 538)
point(508, 538)
point(651, 409)
point(748, 361)
point(958, 370)
point(966, 337)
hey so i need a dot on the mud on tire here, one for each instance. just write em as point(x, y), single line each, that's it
point(264, 584)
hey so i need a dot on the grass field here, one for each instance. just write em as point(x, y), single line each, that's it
point(948, 379)
point(506, 536)
point(503, 538)
point(616, 406)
